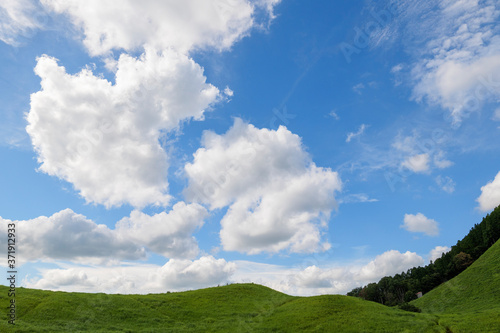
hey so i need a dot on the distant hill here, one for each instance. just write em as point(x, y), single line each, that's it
point(232, 308)
point(470, 302)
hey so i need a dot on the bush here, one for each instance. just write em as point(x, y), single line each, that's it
point(409, 307)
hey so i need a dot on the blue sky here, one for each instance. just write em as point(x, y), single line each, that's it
point(309, 146)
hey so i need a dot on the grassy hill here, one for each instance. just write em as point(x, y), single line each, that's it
point(233, 308)
point(470, 302)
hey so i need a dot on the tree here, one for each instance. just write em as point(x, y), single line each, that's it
point(462, 260)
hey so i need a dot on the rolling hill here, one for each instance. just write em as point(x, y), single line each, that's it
point(470, 302)
point(232, 308)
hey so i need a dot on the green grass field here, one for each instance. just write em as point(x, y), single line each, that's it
point(468, 303)
point(233, 308)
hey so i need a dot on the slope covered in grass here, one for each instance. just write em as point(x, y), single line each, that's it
point(470, 301)
point(233, 308)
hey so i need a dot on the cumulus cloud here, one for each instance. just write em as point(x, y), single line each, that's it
point(162, 25)
point(460, 66)
point(103, 137)
point(278, 198)
point(437, 252)
point(390, 263)
point(314, 280)
point(175, 275)
point(168, 234)
point(70, 236)
point(420, 223)
point(490, 195)
point(417, 163)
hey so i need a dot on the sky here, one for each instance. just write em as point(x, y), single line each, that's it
point(309, 146)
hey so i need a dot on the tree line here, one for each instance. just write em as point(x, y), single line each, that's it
point(402, 288)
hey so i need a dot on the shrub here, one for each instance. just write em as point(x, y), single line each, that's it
point(409, 307)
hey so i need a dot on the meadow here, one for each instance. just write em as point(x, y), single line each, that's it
point(470, 302)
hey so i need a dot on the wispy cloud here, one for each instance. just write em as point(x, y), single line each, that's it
point(334, 115)
point(355, 198)
point(353, 135)
point(446, 184)
point(457, 66)
point(358, 88)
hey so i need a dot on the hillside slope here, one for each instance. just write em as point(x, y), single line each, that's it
point(471, 300)
point(233, 308)
point(468, 303)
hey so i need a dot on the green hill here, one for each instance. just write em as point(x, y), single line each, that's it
point(233, 308)
point(470, 302)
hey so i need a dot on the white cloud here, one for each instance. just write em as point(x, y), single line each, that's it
point(408, 144)
point(206, 271)
point(228, 92)
point(354, 198)
point(460, 66)
point(490, 195)
point(389, 263)
point(168, 234)
point(353, 135)
point(314, 280)
point(397, 68)
point(496, 115)
point(104, 138)
point(417, 163)
point(420, 223)
point(358, 88)
point(446, 184)
point(162, 24)
point(417, 153)
point(278, 198)
point(440, 161)
point(334, 115)
point(175, 275)
point(19, 18)
point(70, 236)
point(437, 252)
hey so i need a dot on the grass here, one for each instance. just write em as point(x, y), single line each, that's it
point(233, 308)
point(468, 303)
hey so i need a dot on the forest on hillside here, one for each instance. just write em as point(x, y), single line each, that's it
point(402, 288)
